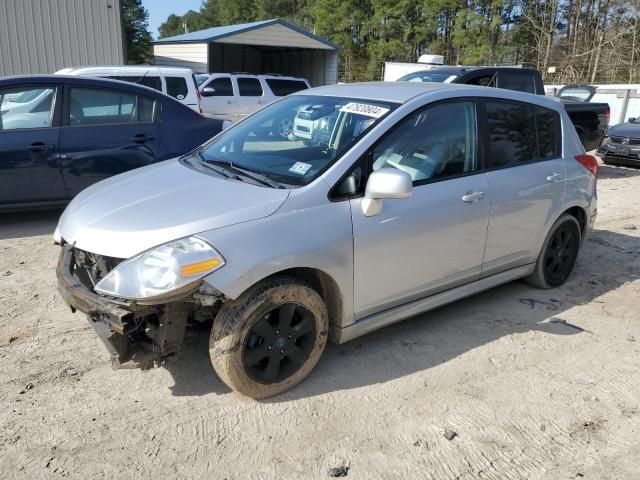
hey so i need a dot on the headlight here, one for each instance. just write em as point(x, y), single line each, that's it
point(161, 270)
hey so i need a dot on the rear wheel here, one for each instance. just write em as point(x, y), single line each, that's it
point(269, 339)
point(558, 255)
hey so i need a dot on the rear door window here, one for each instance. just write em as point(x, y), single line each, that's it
point(177, 87)
point(512, 134)
point(92, 106)
point(282, 87)
point(519, 81)
point(249, 87)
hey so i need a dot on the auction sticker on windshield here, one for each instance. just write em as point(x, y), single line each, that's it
point(364, 109)
point(300, 168)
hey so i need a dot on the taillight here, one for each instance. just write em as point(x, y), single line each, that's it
point(199, 99)
point(590, 163)
point(607, 116)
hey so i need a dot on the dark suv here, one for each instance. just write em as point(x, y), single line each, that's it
point(589, 119)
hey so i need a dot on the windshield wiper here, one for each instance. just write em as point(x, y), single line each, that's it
point(218, 170)
point(252, 174)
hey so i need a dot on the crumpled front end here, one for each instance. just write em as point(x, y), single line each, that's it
point(135, 335)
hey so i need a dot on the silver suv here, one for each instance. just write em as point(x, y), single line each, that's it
point(416, 196)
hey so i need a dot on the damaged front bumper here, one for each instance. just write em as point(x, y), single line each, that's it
point(135, 335)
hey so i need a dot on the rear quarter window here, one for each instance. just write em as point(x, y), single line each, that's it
point(281, 87)
point(177, 87)
point(548, 131)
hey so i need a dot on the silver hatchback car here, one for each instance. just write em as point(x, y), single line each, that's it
point(402, 198)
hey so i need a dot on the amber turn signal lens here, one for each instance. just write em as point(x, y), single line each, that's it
point(198, 267)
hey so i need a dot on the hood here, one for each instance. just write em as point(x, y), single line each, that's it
point(127, 214)
point(625, 130)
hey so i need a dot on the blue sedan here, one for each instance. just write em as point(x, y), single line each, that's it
point(61, 134)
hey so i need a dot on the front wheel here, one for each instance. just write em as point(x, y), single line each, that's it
point(282, 128)
point(558, 255)
point(270, 338)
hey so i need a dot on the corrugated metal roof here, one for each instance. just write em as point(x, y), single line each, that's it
point(216, 33)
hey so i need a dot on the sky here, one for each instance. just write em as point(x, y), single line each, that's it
point(159, 10)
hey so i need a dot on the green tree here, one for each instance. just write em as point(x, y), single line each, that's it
point(173, 25)
point(136, 31)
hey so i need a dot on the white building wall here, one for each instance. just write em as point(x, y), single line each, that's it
point(190, 55)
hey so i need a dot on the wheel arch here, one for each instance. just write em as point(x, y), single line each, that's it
point(579, 214)
point(324, 284)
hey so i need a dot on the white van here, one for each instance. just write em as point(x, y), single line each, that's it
point(233, 96)
point(176, 82)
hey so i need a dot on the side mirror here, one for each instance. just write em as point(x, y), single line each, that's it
point(632, 119)
point(385, 183)
point(208, 92)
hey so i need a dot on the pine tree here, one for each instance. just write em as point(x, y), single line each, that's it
point(136, 31)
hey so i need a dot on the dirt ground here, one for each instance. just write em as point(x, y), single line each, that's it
point(536, 384)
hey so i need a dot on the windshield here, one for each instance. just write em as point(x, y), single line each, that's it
point(439, 77)
point(294, 140)
point(201, 78)
point(25, 96)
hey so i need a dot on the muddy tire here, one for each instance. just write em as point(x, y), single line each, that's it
point(270, 338)
point(558, 255)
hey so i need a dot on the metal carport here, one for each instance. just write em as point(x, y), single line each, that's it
point(269, 46)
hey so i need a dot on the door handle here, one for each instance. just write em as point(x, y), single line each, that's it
point(229, 102)
point(141, 138)
point(555, 177)
point(471, 197)
point(39, 147)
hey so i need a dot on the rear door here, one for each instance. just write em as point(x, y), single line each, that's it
point(527, 177)
point(29, 131)
point(250, 95)
point(219, 99)
point(105, 132)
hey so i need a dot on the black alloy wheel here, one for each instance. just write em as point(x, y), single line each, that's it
point(560, 255)
point(279, 343)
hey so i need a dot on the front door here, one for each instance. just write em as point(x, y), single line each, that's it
point(433, 240)
point(526, 176)
point(29, 170)
point(220, 102)
point(106, 132)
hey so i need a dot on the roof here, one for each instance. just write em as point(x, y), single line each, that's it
point(398, 92)
point(403, 92)
point(213, 34)
point(112, 69)
point(80, 80)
